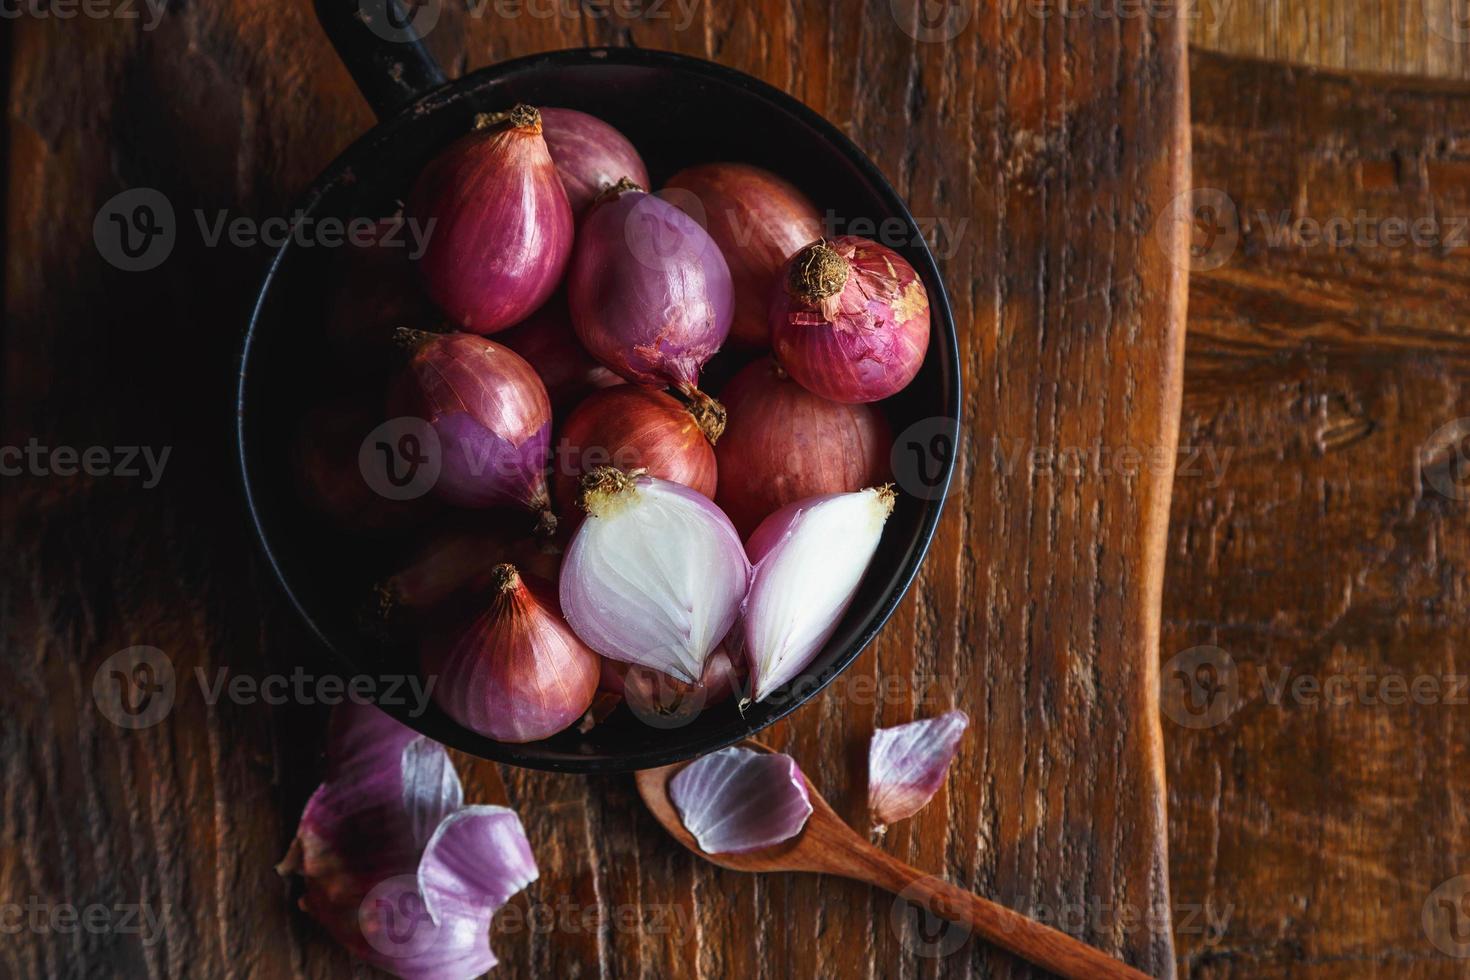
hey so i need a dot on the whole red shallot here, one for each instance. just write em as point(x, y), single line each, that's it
point(782, 443)
point(590, 155)
point(649, 290)
point(517, 673)
point(490, 414)
point(849, 319)
point(502, 227)
point(632, 428)
point(758, 220)
point(548, 343)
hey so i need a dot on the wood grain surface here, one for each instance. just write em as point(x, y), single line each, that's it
point(1410, 37)
point(1051, 146)
point(1317, 575)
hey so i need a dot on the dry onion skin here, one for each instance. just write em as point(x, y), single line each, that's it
point(907, 765)
point(737, 800)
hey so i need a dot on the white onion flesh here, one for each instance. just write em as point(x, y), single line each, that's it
point(654, 576)
point(809, 558)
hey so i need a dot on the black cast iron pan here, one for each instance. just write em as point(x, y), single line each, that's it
point(678, 111)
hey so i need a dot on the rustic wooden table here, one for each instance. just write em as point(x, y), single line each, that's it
point(1312, 526)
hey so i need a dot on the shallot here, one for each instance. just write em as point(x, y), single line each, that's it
point(850, 319)
point(590, 155)
point(650, 292)
point(548, 343)
point(516, 673)
point(491, 415)
point(655, 574)
point(397, 868)
point(502, 227)
point(632, 428)
point(782, 444)
point(758, 220)
point(809, 558)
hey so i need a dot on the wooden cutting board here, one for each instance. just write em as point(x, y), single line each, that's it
point(1044, 151)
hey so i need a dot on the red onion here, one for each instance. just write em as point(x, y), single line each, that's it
point(399, 871)
point(590, 156)
point(649, 291)
point(455, 563)
point(738, 800)
point(907, 764)
point(502, 229)
point(548, 343)
point(782, 443)
point(809, 558)
point(654, 575)
point(850, 319)
point(632, 428)
point(376, 291)
point(758, 220)
point(491, 415)
point(661, 701)
point(517, 673)
point(330, 478)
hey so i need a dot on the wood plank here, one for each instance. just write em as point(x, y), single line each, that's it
point(1328, 539)
point(1051, 147)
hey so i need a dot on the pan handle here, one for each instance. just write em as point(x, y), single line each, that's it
point(381, 44)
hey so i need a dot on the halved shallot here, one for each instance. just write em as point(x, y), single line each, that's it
point(738, 799)
point(654, 575)
point(907, 764)
point(809, 558)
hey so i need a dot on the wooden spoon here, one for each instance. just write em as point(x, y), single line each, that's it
point(827, 845)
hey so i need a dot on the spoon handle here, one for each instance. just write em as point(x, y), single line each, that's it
point(1027, 938)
